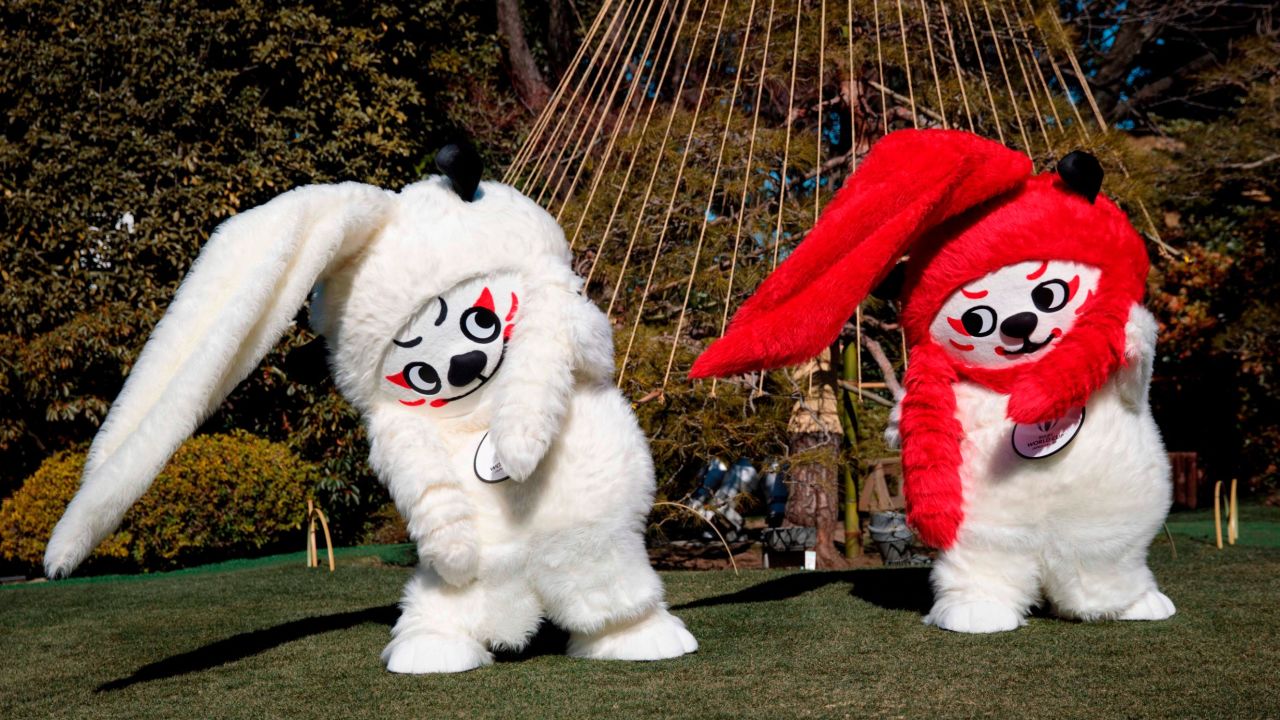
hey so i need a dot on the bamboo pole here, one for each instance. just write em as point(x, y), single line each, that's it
point(1233, 517)
point(1217, 512)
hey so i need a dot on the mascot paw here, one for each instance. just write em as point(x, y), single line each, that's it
point(520, 450)
point(658, 636)
point(1153, 605)
point(976, 616)
point(454, 552)
point(432, 653)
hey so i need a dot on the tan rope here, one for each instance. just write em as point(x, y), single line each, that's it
point(594, 70)
point(982, 68)
point(607, 155)
point(1035, 62)
point(884, 102)
point(711, 193)
point(1057, 72)
point(544, 117)
point(933, 63)
point(786, 157)
point(955, 63)
point(1080, 76)
point(1013, 99)
point(853, 99)
point(1026, 80)
point(1165, 249)
point(822, 56)
point(746, 179)
point(657, 164)
point(635, 154)
point(599, 108)
point(906, 62)
point(675, 189)
point(546, 171)
point(656, 27)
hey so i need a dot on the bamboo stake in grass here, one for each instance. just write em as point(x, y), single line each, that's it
point(1233, 517)
point(1217, 512)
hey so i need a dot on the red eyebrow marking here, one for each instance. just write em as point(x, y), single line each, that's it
point(958, 346)
point(515, 303)
point(1085, 304)
point(485, 300)
point(958, 326)
point(973, 295)
point(1044, 265)
point(413, 403)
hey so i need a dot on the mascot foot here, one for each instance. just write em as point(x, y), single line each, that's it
point(431, 653)
point(1153, 605)
point(657, 636)
point(975, 616)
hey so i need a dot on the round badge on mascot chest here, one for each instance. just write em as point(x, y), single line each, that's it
point(1040, 440)
point(487, 466)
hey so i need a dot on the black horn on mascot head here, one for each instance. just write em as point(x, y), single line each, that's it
point(462, 165)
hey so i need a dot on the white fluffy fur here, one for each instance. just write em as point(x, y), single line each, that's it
point(565, 543)
point(1073, 528)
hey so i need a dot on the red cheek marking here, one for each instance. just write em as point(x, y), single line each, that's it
point(439, 403)
point(1044, 265)
point(1001, 351)
point(484, 301)
point(413, 403)
point(515, 303)
point(398, 379)
point(958, 346)
point(973, 295)
point(1072, 287)
point(957, 326)
point(1085, 304)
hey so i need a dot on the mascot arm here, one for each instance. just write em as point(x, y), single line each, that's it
point(1134, 379)
point(558, 334)
point(411, 461)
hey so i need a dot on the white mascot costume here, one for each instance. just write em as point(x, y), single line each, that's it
point(1030, 457)
point(455, 325)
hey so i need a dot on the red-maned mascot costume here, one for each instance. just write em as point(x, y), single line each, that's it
point(1030, 456)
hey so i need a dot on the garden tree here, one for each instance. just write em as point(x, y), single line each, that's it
point(129, 136)
point(527, 78)
point(1146, 58)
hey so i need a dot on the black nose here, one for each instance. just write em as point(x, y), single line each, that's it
point(466, 367)
point(1018, 326)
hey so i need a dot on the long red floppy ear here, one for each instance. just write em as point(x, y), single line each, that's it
point(911, 181)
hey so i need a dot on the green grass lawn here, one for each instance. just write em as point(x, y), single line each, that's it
point(270, 639)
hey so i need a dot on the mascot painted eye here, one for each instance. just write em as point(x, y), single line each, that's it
point(421, 378)
point(1051, 295)
point(480, 325)
point(979, 321)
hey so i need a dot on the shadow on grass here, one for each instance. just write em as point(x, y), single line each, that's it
point(889, 588)
point(239, 647)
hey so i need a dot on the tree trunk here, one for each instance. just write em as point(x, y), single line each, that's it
point(815, 448)
point(530, 86)
point(561, 36)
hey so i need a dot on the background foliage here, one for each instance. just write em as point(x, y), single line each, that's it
point(220, 495)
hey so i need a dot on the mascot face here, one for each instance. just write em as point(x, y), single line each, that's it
point(1010, 316)
point(453, 346)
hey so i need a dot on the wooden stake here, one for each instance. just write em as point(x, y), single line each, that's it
point(1233, 517)
point(1217, 512)
point(313, 556)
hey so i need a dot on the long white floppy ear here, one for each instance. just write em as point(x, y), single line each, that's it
point(559, 337)
point(233, 306)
